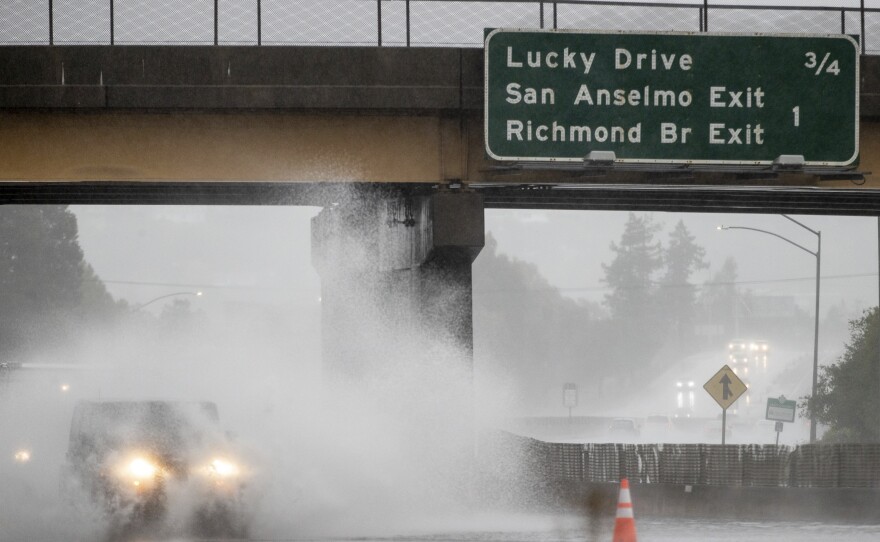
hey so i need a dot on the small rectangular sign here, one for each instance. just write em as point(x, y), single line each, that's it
point(569, 395)
point(781, 410)
point(676, 98)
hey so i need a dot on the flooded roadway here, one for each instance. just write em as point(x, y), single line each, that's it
point(568, 529)
point(553, 529)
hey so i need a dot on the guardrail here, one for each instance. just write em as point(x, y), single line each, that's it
point(403, 23)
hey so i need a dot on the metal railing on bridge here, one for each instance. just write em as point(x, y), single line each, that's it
point(419, 23)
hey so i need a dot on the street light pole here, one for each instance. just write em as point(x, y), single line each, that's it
point(818, 255)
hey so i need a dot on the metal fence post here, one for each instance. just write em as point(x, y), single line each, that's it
point(705, 15)
point(863, 26)
point(544, 23)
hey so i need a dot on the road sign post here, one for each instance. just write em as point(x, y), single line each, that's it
point(780, 410)
point(725, 387)
point(569, 397)
point(674, 98)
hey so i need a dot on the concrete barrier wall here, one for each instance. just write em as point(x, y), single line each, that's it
point(595, 499)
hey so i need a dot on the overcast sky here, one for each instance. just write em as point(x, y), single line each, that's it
point(232, 254)
point(262, 254)
point(570, 246)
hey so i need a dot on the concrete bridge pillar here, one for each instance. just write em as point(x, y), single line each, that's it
point(396, 281)
point(397, 335)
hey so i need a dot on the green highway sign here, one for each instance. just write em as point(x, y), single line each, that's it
point(781, 410)
point(671, 98)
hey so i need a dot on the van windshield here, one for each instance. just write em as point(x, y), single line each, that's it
point(161, 427)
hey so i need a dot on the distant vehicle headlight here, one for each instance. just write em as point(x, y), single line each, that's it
point(22, 456)
point(222, 468)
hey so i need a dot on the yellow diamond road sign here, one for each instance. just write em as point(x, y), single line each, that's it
point(725, 387)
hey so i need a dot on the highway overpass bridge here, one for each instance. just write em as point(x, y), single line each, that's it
point(388, 140)
point(294, 125)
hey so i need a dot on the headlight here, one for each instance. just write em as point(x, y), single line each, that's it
point(22, 456)
point(139, 471)
point(141, 468)
point(221, 468)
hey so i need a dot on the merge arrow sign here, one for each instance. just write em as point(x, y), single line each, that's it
point(725, 387)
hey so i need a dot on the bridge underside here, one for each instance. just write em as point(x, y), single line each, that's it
point(290, 146)
point(179, 146)
point(303, 125)
point(288, 158)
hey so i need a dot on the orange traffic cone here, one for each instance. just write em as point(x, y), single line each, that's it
point(625, 523)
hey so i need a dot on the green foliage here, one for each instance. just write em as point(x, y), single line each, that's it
point(678, 296)
point(682, 257)
point(529, 333)
point(96, 303)
point(44, 280)
point(652, 301)
point(178, 317)
point(720, 298)
point(631, 274)
point(541, 338)
point(847, 399)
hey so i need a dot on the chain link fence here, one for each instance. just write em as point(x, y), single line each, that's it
point(422, 23)
point(811, 465)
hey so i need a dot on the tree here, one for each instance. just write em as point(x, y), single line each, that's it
point(178, 317)
point(42, 273)
point(96, 303)
point(677, 295)
point(631, 274)
point(846, 397)
point(720, 299)
point(632, 301)
point(527, 333)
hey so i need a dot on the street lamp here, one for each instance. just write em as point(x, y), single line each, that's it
point(818, 255)
point(139, 307)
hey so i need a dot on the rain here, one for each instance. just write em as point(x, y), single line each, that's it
point(385, 452)
point(216, 361)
